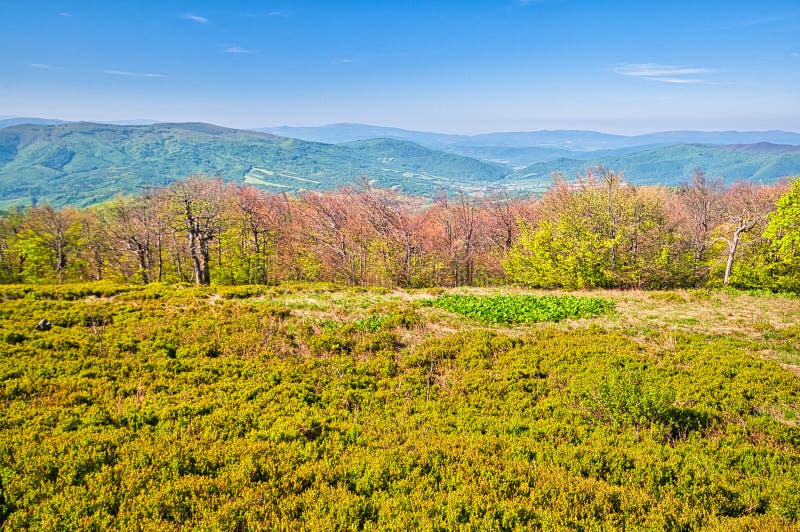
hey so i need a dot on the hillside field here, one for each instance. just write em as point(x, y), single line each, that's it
point(315, 406)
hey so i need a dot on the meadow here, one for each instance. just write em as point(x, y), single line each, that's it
point(317, 406)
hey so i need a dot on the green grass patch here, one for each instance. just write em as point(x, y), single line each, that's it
point(524, 308)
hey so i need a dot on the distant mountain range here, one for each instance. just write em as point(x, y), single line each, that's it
point(82, 163)
point(526, 147)
point(17, 120)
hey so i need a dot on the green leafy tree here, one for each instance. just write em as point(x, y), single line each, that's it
point(783, 231)
point(600, 232)
point(10, 261)
point(47, 242)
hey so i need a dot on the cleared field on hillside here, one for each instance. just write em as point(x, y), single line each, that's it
point(324, 407)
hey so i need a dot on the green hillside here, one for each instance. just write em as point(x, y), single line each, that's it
point(85, 163)
point(671, 165)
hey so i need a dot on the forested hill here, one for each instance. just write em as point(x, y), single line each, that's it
point(761, 163)
point(83, 163)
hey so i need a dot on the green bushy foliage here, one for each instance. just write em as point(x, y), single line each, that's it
point(199, 412)
point(523, 309)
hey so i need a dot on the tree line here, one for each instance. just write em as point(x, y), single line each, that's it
point(597, 232)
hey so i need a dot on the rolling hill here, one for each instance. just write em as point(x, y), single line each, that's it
point(83, 163)
point(670, 165)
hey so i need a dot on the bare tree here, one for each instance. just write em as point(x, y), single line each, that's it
point(131, 224)
point(458, 219)
point(329, 220)
point(700, 200)
point(260, 217)
point(394, 226)
point(745, 207)
point(197, 205)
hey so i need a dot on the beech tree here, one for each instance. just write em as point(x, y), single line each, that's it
point(783, 231)
point(701, 200)
point(93, 245)
point(745, 207)
point(257, 221)
point(601, 232)
point(197, 207)
point(131, 226)
point(458, 219)
point(328, 219)
point(598, 231)
point(395, 250)
point(11, 262)
point(48, 239)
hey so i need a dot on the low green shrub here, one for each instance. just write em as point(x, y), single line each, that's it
point(522, 309)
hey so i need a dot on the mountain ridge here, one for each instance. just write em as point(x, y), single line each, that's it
point(84, 162)
point(582, 140)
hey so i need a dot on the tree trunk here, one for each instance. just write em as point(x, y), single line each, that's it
point(198, 249)
point(732, 245)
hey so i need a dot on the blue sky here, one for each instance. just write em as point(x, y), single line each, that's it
point(625, 67)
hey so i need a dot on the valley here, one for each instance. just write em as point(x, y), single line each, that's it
point(84, 163)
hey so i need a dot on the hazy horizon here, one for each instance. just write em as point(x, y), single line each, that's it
point(454, 67)
point(145, 121)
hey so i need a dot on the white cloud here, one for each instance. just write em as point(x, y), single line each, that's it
point(342, 61)
point(795, 54)
point(262, 14)
point(676, 80)
point(664, 73)
point(64, 14)
point(653, 69)
point(238, 50)
point(133, 74)
point(195, 18)
point(43, 66)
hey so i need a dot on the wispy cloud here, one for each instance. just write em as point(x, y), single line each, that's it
point(768, 19)
point(64, 14)
point(133, 74)
point(238, 50)
point(678, 74)
point(795, 54)
point(381, 58)
point(195, 18)
point(43, 66)
point(677, 80)
point(654, 69)
point(261, 14)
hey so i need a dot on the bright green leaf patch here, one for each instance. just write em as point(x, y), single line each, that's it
point(523, 309)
